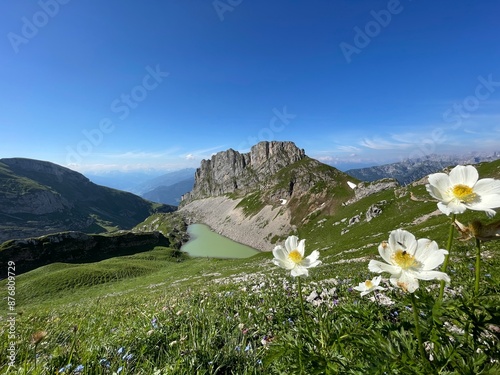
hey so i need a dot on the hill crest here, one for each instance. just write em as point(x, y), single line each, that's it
point(39, 197)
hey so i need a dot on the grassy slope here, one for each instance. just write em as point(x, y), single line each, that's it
point(168, 311)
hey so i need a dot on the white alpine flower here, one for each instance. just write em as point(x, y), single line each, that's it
point(409, 260)
point(291, 257)
point(369, 286)
point(462, 189)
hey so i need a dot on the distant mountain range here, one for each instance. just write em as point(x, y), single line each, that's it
point(167, 188)
point(408, 171)
point(38, 198)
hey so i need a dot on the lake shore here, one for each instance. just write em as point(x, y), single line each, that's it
point(223, 217)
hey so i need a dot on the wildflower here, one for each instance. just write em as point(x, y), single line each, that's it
point(78, 369)
point(409, 260)
point(292, 257)
point(461, 189)
point(62, 370)
point(104, 362)
point(369, 286)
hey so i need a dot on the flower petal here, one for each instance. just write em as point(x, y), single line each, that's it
point(452, 207)
point(433, 275)
point(311, 260)
point(376, 280)
point(487, 186)
point(464, 175)
point(439, 184)
point(299, 271)
point(404, 240)
point(301, 247)
point(385, 252)
point(291, 243)
point(429, 254)
point(406, 281)
point(376, 266)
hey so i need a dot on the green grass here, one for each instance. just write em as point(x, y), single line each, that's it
point(161, 312)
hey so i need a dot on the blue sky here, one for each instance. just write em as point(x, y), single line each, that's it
point(129, 85)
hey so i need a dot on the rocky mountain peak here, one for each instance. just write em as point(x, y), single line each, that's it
point(229, 171)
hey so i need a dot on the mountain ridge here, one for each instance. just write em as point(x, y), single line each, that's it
point(39, 197)
point(410, 170)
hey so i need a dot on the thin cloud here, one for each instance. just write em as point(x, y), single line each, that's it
point(383, 144)
point(349, 149)
point(142, 154)
point(205, 153)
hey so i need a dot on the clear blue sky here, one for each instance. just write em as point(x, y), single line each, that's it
point(123, 84)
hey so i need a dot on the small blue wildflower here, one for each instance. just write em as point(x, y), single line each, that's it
point(120, 351)
point(119, 369)
point(127, 357)
point(78, 369)
point(62, 370)
point(248, 347)
point(487, 275)
point(104, 362)
point(259, 362)
point(237, 348)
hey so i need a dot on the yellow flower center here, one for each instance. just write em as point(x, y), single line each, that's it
point(463, 193)
point(404, 259)
point(295, 256)
point(369, 284)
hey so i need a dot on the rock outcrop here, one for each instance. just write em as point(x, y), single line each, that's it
point(74, 247)
point(262, 196)
point(230, 171)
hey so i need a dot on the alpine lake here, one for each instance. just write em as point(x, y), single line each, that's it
point(206, 243)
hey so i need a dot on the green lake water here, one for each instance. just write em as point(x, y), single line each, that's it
point(206, 243)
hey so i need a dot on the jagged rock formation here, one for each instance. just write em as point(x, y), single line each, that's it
point(262, 196)
point(38, 197)
point(74, 247)
point(230, 171)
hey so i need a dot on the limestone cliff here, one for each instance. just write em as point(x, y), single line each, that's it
point(262, 196)
point(230, 171)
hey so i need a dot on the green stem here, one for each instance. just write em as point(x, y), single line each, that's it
point(417, 327)
point(299, 286)
point(447, 257)
point(478, 265)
